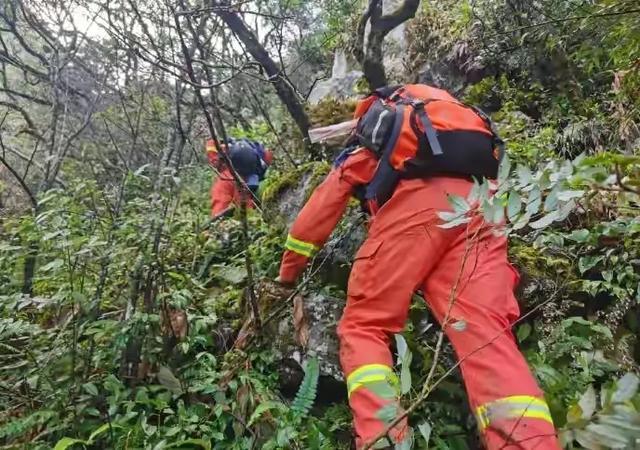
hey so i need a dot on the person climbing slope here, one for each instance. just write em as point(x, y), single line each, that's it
point(414, 146)
point(250, 160)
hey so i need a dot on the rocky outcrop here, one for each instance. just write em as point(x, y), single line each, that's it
point(310, 332)
point(343, 81)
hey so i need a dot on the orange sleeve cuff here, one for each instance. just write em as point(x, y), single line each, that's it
point(292, 265)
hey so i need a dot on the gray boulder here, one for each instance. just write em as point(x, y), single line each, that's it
point(310, 332)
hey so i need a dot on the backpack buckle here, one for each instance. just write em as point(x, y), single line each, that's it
point(417, 104)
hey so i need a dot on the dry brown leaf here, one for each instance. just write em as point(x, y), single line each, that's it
point(179, 323)
point(175, 323)
point(300, 324)
point(243, 335)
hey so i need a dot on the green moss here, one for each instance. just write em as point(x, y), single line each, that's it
point(330, 111)
point(538, 264)
point(277, 182)
point(484, 91)
point(319, 171)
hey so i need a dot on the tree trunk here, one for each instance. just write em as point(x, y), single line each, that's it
point(285, 91)
point(371, 58)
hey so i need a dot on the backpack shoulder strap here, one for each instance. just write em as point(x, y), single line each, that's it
point(429, 130)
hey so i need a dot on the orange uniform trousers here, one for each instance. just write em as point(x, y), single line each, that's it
point(466, 277)
point(224, 193)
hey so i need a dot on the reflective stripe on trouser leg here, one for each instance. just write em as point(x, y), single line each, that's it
point(517, 407)
point(373, 396)
point(300, 247)
point(372, 375)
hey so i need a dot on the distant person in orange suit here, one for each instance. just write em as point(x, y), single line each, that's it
point(249, 159)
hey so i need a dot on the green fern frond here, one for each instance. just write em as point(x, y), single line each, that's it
point(19, 426)
point(306, 395)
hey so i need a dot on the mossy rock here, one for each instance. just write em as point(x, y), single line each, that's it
point(330, 111)
point(541, 273)
point(287, 192)
point(537, 264)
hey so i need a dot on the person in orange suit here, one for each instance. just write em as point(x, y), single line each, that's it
point(463, 272)
point(250, 159)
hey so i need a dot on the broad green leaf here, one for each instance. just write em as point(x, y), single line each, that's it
point(425, 431)
point(588, 262)
point(565, 196)
point(459, 204)
point(401, 346)
point(626, 388)
point(534, 201)
point(67, 442)
point(574, 414)
point(623, 423)
point(169, 380)
point(588, 402)
point(524, 174)
point(55, 264)
point(551, 201)
point(383, 390)
point(387, 413)
point(545, 221)
point(566, 209)
point(284, 436)
point(161, 445)
point(475, 192)
point(513, 205)
point(609, 436)
point(524, 331)
point(231, 274)
point(101, 429)
point(588, 440)
point(91, 389)
point(504, 169)
point(493, 211)
point(206, 445)
point(260, 410)
point(454, 222)
point(522, 221)
point(405, 373)
point(579, 236)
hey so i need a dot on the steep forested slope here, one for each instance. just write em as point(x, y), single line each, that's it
point(126, 315)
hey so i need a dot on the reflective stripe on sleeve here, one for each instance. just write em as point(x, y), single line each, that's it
point(371, 373)
point(514, 407)
point(302, 248)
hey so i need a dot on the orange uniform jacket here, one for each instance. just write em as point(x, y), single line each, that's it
point(323, 211)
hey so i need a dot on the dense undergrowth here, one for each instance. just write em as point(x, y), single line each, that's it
point(127, 339)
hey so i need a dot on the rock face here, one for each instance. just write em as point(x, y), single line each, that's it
point(341, 248)
point(311, 332)
point(292, 198)
point(453, 71)
point(342, 83)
